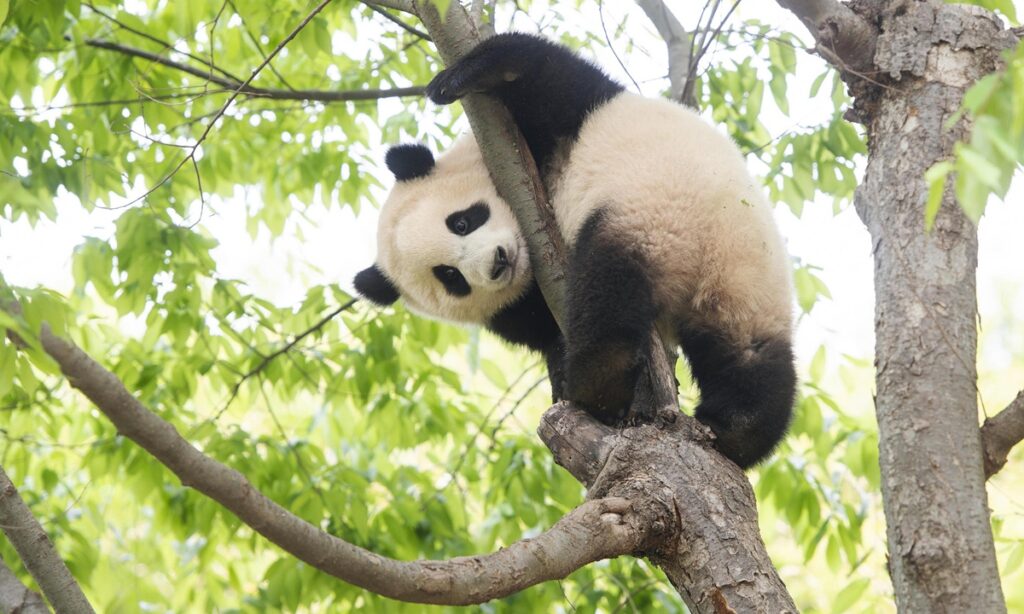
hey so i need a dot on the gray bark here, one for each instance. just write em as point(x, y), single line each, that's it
point(705, 535)
point(941, 553)
point(37, 552)
point(15, 597)
point(598, 529)
point(1000, 433)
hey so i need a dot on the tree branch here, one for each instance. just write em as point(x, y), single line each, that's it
point(37, 551)
point(1000, 433)
point(406, 6)
point(269, 358)
point(678, 42)
point(161, 42)
point(245, 88)
point(507, 157)
point(15, 597)
point(698, 506)
point(395, 20)
point(842, 37)
point(596, 530)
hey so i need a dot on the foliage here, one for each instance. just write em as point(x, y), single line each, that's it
point(986, 164)
point(410, 438)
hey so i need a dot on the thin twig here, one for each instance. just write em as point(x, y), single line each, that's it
point(397, 21)
point(240, 87)
point(161, 42)
point(611, 47)
point(258, 46)
point(284, 349)
point(209, 127)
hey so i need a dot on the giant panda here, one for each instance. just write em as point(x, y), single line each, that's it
point(665, 228)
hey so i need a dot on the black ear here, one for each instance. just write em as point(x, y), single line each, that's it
point(409, 161)
point(372, 284)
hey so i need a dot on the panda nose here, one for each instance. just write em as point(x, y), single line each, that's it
point(500, 263)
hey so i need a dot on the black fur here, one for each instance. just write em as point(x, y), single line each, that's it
point(529, 322)
point(410, 161)
point(746, 393)
point(465, 221)
point(610, 313)
point(372, 284)
point(452, 280)
point(549, 89)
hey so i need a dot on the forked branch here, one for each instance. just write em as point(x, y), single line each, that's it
point(843, 38)
point(598, 529)
point(1000, 433)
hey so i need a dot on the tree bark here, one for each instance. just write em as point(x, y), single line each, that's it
point(701, 507)
point(15, 597)
point(698, 506)
point(37, 552)
point(941, 553)
point(1000, 433)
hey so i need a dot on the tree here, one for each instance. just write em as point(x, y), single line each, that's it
point(144, 110)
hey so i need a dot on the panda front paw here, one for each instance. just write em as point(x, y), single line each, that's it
point(446, 87)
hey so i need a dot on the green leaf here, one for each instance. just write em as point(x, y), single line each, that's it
point(935, 177)
point(808, 288)
point(816, 86)
point(850, 595)
point(7, 358)
point(4, 6)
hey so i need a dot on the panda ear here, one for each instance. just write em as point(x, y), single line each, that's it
point(409, 161)
point(373, 285)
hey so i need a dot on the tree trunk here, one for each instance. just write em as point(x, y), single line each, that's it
point(941, 553)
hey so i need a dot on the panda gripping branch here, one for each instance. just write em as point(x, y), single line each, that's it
point(665, 226)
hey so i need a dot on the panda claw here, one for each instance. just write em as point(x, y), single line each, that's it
point(442, 90)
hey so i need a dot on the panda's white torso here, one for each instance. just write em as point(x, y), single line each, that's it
point(680, 190)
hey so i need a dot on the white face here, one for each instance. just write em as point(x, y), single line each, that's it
point(450, 244)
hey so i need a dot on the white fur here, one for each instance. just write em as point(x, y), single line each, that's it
point(668, 181)
point(412, 238)
point(680, 189)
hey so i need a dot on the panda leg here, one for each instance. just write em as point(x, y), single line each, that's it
point(610, 312)
point(747, 393)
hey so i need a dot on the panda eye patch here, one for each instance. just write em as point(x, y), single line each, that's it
point(467, 220)
point(452, 280)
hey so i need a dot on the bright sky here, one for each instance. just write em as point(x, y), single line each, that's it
point(336, 244)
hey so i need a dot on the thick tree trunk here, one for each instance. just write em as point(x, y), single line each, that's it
point(941, 554)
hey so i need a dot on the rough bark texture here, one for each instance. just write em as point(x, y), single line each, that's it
point(941, 554)
point(698, 507)
point(841, 36)
point(1001, 433)
point(704, 519)
point(37, 552)
point(15, 597)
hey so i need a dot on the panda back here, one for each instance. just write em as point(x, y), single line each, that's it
point(673, 185)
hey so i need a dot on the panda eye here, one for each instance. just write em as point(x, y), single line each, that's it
point(452, 280)
point(466, 221)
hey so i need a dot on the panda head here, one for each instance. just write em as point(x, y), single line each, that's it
point(447, 244)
